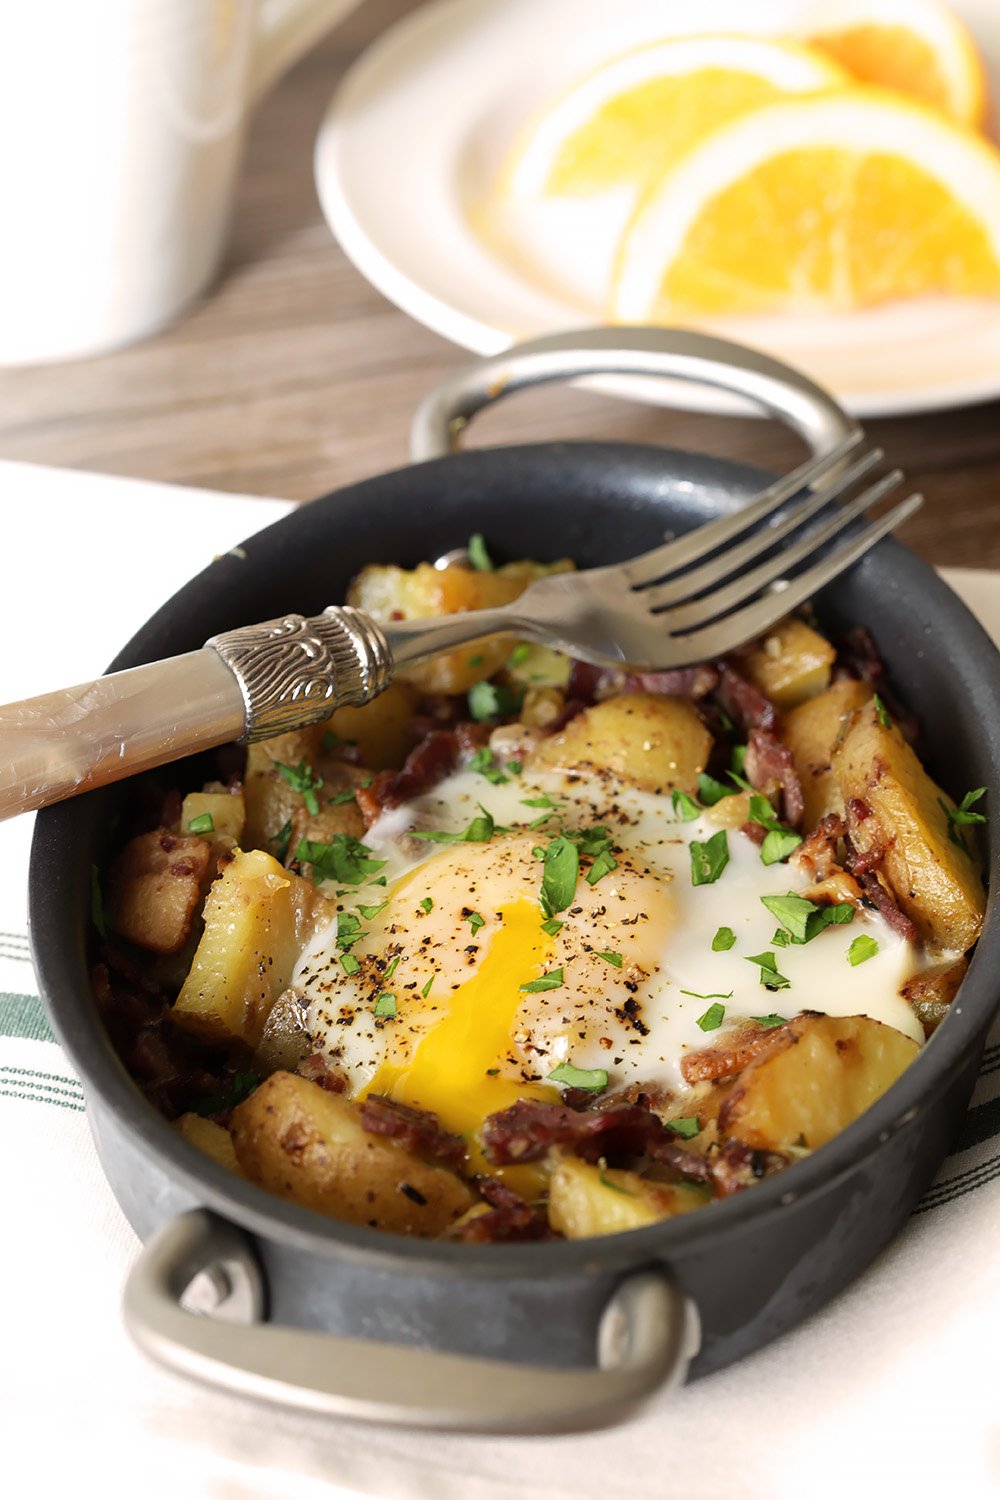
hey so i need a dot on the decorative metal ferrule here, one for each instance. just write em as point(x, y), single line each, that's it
point(297, 670)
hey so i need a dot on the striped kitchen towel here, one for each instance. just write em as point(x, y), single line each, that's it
point(889, 1391)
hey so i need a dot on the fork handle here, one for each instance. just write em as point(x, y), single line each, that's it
point(673, 353)
point(246, 684)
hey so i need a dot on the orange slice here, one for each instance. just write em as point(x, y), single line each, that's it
point(621, 124)
point(839, 201)
point(916, 47)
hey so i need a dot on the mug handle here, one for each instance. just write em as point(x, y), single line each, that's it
point(648, 1334)
point(285, 30)
point(676, 353)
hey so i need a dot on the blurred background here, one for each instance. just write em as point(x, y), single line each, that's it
point(293, 375)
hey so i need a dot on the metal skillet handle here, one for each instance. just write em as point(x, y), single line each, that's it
point(674, 353)
point(647, 1336)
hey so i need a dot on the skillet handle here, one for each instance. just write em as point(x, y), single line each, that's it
point(676, 353)
point(647, 1336)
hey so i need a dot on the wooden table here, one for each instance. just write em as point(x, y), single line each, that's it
point(295, 376)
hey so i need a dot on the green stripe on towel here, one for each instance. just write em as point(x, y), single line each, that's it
point(22, 1015)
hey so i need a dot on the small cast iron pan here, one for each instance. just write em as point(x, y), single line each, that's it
point(540, 1337)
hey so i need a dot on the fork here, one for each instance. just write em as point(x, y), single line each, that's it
point(696, 597)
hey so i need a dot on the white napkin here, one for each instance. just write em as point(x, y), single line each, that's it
point(890, 1391)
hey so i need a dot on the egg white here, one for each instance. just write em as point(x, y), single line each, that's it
point(476, 1036)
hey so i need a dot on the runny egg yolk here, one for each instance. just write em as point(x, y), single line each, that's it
point(457, 1069)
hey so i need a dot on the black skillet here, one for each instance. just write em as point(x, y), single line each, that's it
point(533, 1337)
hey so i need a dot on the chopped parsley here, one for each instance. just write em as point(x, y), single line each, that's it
point(204, 823)
point(724, 939)
point(603, 865)
point(349, 963)
point(393, 966)
point(685, 807)
point(713, 1017)
point(687, 1126)
point(343, 859)
point(615, 959)
point(805, 920)
point(303, 779)
point(552, 926)
point(862, 948)
point(962, 816)
point(880, 712)
point(591, 1079)
point(385, 1005)
point(553, 980)
point(479, 831)
point(711, 791)
point(483, 762)
point(738, 760)
point(243, 1084)
point(348, 929)
point(616, 1187)
point(769, 976)
point(696, 995)
point(478, 555)
point(709, 859)
point(475, 921)
point(427, 987)
point(515, 767)
point(426, 904)
point(339, 798)
point(778, 845)
point(369, 913)
point(520, 654)
point(281, 841)
point(543, 801)
point(770, 1021)
point(561, 867)
point(489, 700)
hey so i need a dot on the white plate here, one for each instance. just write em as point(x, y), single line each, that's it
point(416, 132)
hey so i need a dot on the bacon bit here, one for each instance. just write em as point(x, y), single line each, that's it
point(874, 891)
point(512, 1224)
point(317, 1069)
point(416, 1129)
point(730, 1054)
point(431, 761)
point(593, 684)
point(687, 1164)
point(526, 1130)
point(768, 760)
point(858, 656)
point(817, 855)
point(497, 1193)
point(744, 703)
point(738, 1166)
point(569, 710)
point(756, 832)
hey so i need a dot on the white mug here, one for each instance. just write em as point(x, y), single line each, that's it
point(121, 127)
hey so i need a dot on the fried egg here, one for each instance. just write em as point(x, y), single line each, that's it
point(446, 984)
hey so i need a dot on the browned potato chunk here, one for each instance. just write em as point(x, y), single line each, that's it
point(653, 742)
point(811, 731)
point(791, 663)
point(308, 1144)
point(934, 881)
point(154, 889)
point(213, 1139)
point(226, 810)
point(823, 1072)
point(390, 593)
point(585, 1200)
point(931, 993)
point(258, 918)
point(380, 731)
point(272, 801)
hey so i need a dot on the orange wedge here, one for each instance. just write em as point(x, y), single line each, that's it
point(839, 201)
point(618, 127)
point(916, 47)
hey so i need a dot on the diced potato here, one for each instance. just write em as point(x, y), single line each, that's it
point(226, 810)
point(381, 731)
point(531, 666)
point(390, 593)
point(285, 1040)
point(933, 880)
point(931, 993)
point(811, 731)
point(272, 802)
point(308, 1144)
point(729, 812)
point(653, 742)
point(155, 887)
point(258, 918)
point(585, 1200)
point(542, 706)
point(822, 1073)
point(214, 1140)
point(791, 663)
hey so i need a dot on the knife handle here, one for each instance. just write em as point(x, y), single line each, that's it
point(246, 684)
